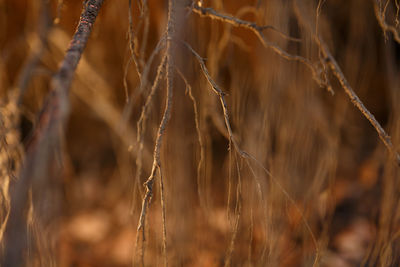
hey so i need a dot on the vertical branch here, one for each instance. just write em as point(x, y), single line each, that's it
point(238, 213)
point(200, 190)
point(243, 154)
point(141, 124)
point(145, 34)
point(157, 148)
point(133, 56)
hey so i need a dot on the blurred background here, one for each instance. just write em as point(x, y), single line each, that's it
point(320, 190)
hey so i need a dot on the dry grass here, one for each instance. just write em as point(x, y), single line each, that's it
point(236, 116)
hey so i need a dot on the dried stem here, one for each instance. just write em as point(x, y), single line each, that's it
point(380, 16)
point(199, 138)
point(334, 66)
point(132, 47)
point(291, 200)
point(238, 213)
point(161, 130)
point(156, 165)
point(219, 93)
point(330, 61)
point(336, 70)
point(141, 124)
point(259, 32)
point(144, 80)
point(243, 154)
point(133, 56)
point(163, 215)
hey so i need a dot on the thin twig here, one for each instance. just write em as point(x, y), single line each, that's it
point(163, 216)
point(156, 165)
point(250, 9)
point(199, 138)
point(245, 155)
point(133, 56)
point(337, 71)
point(357, 101)
point(291, 200)
point(157, 148)
point(380, 16)
point(146, 26)
point(238, 213)
point(143, 82)
point(219, 93)
point(259, 32)
point(132, 47)
point(141, 124)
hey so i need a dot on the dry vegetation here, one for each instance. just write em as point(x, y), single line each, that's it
point(207, 133)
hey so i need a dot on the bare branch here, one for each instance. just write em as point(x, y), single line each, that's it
point(329, 60)
point(334, 66)
point(46, 136)
point(141, 124)
point(245, 155)
point(133, 57)
point(157, 148)
point(200, 139)
point(258, 31)
point(380, 16)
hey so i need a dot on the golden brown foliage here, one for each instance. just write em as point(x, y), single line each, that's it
point(202, 133)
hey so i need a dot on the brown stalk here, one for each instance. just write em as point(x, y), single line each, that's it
point(245, 155)
point(331, 62)
point(157, 148)
point(336, 70)
point(259, 32)
point(141, 124)
point(199, 138)
point(380, 16)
